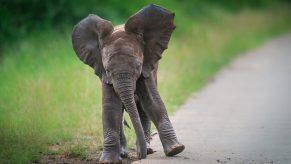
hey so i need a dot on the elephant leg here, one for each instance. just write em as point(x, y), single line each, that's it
point(123, 142)
point(153, 105)
point(146, 124)
point(112, 121)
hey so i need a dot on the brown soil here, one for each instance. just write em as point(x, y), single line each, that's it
point(92, 158)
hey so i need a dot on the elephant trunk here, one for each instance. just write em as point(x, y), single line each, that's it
point(125, 86)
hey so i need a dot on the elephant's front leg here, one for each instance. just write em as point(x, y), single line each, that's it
point(154, 107)
point(112, 122)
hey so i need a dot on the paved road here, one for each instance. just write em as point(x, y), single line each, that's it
point(243, 116)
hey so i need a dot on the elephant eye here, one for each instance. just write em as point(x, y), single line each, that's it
point(138, 64)
point(108, 72)
point(138, 68)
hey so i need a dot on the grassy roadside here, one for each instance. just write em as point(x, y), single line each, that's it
point(48, 97)
point(211, 44)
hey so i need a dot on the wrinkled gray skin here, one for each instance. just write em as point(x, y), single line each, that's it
point(126, 60)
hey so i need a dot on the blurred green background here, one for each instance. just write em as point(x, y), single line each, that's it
point(50, 101)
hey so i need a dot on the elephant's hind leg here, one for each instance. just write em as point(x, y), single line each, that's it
point(112, 121)
point(146, 124)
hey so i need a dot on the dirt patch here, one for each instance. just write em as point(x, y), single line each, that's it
point(92, 158)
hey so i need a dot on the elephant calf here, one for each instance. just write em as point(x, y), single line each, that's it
point(126, 60)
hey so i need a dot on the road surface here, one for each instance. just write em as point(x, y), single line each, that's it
point(243, 116)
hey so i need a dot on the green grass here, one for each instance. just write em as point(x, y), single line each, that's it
point(50, 102)
point(192, 60)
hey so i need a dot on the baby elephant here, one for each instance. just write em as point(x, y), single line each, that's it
point(126, 60)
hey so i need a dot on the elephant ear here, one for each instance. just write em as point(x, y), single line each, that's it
point(154, 25)
point(87, 38)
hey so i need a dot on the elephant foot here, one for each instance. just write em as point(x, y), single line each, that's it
point(109, 162)
point(174, 149)
point(110, 158)
point(123, 152)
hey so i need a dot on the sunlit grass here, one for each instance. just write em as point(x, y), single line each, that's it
point(48, 97)
point(192, 60)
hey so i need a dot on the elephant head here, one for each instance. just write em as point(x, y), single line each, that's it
point(122, 54)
